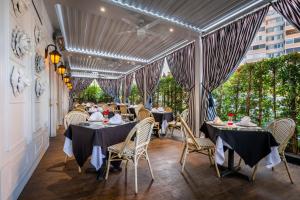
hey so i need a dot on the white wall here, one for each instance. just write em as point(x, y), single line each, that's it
point(25, 120)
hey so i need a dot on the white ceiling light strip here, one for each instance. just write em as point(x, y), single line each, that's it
point(156, 15)
point(226, 18)
point(93, 75)
point(95, 70)
point(105, 54)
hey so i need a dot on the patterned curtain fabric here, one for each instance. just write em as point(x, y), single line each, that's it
point(128, 83)
point(290, 9)
point(139, 79)
point(223, 50)
point(111, 87)
point(182, 67)
point(152, 72)
point(79, 84)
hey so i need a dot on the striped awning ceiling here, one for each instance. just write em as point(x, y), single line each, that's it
point(116, 36)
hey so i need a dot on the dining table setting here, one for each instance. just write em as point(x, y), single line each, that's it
point(91, 139)
point(162, 117)
point(252, 143)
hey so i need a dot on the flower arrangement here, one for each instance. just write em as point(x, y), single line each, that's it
point(230, 117)
point(105, 112)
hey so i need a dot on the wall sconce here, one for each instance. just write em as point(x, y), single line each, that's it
point(66, 78)
point(54, 55)
point(61, 69)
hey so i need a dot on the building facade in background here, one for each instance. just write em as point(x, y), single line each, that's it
point(275, 37)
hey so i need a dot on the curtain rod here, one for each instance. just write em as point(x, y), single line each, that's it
point(165, 55)
point(218, 28)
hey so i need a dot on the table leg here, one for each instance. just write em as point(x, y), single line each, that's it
point(231, 169)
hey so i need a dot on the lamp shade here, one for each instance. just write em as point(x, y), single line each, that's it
point(66, 79)
point(61, 69)
point(55, 56)
point(69, 84)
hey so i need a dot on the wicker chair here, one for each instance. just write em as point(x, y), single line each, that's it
point(74, 117)
point(176, 124)
point(168, 109)
point(143, 114)
point(198, 145)
point(113, 107)
point(137, 108)
point(133, 150)
point(124, 112)
point(282, 130)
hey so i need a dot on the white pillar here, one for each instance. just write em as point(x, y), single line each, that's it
point(198, 80)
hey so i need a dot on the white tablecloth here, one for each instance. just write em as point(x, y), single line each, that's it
point(97, 156)
point(271, 160)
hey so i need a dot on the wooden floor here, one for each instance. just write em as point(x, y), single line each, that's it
point(52, 180)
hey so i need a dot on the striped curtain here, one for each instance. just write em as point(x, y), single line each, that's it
point(290, 9)
point(182, 67)
point(152, 72)
point(139, 79)
point(223, 50)
point(111, 87)
point(128, 83)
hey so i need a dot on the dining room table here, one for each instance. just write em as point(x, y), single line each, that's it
point(92, 139)
point(252, 144)
point(163, 117)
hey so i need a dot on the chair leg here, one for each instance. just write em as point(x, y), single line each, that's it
point(108, 165)
point(135, 175)
point(79, 169)
point(184, 158)
point(66, 159)
point(181, 157)
point(148, 160)
point(254, 173)
point(287, 169)
point(240, 162)
point(210, 157)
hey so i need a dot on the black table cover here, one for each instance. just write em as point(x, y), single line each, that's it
point(84, 138)
point(160, 117)
point(251, 145)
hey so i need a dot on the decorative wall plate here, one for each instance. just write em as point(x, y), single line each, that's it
point(37, 34)
point(39, 63)
point(18, 81)
point(39, 88)
point(20, 7)
point(20, 43)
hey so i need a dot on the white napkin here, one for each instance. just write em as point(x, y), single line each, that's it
point(96, 116)
point(117, 119)
point(246, 121)
point(93, 109)
point(217, 120)
point(154, 110)
point(100, 109)
point(160, 109)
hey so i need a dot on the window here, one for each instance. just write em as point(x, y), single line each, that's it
point(261, 29)
point(275, 37)
point(277, 19)
point(256, 47)
point(293, 50)
point(289, 41)
point(274, 29)
point(296, 40)
point(275, 46)
point(276, 54)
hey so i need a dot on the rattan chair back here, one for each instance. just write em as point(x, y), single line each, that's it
point(75, 117)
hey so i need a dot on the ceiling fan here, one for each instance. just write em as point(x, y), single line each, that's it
point(141, 29)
